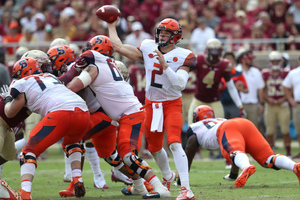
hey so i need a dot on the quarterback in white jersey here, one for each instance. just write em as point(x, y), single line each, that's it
point(167, 68)
point(65, 116)
point(235, 137)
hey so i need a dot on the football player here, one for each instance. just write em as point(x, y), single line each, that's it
point(276, 107)
point(65, 115)
point(167, 68)
point(210, 69)
point(101, 131)
point(235, 137)
point(101, 74)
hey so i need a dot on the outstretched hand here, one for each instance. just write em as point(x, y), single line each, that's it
point(5, 91)
point(160, 57)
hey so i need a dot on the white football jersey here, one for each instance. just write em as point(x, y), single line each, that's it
point(87, 95)
point(206, 131)
point(158, 86)
point(45, 93)
point(113, 93)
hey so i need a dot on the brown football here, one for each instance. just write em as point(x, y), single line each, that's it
point(108, 13)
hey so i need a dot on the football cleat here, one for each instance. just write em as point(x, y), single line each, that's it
point(162, 192)
point(7, 193)
point(68, 177)
point(99, 181)
point(78, 186)
point(296, 170)
point(243, 177)
point(185, 194)
point(69, 192)
point(134, 191)
point(167, 183)
point(25, 195)
point(118, 176)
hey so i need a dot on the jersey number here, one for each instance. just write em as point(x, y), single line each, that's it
point(114, 70)
point(209, 79)
point(41, 83)
point(159, 71)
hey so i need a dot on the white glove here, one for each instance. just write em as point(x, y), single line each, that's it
point(6, 93)
point(228, 178)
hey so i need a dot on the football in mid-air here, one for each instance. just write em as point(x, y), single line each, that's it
point(108, 13)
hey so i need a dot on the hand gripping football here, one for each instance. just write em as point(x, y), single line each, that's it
point(108, 13)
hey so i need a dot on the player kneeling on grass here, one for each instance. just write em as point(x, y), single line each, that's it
point(235, 137)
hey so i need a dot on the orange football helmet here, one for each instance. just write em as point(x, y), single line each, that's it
point(25, 67)
point(101, 44)
point(203, 112)
point(60, 56)
point(172, 26)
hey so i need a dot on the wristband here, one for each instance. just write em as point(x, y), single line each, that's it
point(8, 99)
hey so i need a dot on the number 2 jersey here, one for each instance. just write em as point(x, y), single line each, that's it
point(206, 132)
point(113, 93)
point(45, 93)
point(158, 86)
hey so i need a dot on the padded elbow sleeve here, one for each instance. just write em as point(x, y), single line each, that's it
point(178, 79)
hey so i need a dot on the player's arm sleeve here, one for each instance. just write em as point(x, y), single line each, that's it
point(178, 79)
point(234, 93)
point(67, 77)
point(190, 132)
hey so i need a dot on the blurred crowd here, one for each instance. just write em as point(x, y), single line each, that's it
point(30, 22)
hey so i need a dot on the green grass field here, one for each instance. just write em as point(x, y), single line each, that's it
point(205, 178)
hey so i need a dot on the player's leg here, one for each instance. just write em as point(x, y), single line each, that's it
point(270, 118)
point(284, 119)
point(128, 142)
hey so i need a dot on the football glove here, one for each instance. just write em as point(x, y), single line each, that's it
point(6, 94)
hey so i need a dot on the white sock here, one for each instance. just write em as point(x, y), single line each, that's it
point(181, 164)
point(26, 185)
point(20, 144)
point(93, 159)
point(68, 169)
point(76, 172)
point(162, 161)
point(138, 184)
point(284, 162)
point(241, 160)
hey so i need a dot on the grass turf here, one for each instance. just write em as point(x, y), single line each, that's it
point(205, 179)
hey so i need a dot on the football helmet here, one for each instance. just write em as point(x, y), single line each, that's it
point(41, 57)
point(275, 58)
point(20, 51)
point(59, 41)
point(172, 26)
point(203, 112)
point(60, 56)
point(25, 67)
point(213, 50)
point(123, 69)
point(101, 44)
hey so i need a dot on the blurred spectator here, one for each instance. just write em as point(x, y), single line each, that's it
point(202, 31)
point(28, 19)
point(295, 10)
point(235, 34)
point(241, 18)
point(66, 28)
point(227, 21)
point(128, 6)
point(255, 82)
point(190, 16)
point(153, 8)
point(277, 11)
point(210, 17)
point(295, 37)
point(130, 21)
point(219, 6)
point(29, 39)
point(82, 33)
point(75, 48)
point(48, 35)
point(257, 33)
point(186, 32)
point(81, 12)
point(137, 35)
point(99, 29)
point(20, 51)
point(289, 21)
point(5, 77)
point(280, 33)
point(54, 14)
point(145, 18)
point(266, 24)
point(13, 36)
point(40, 26)
point(5, 21)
